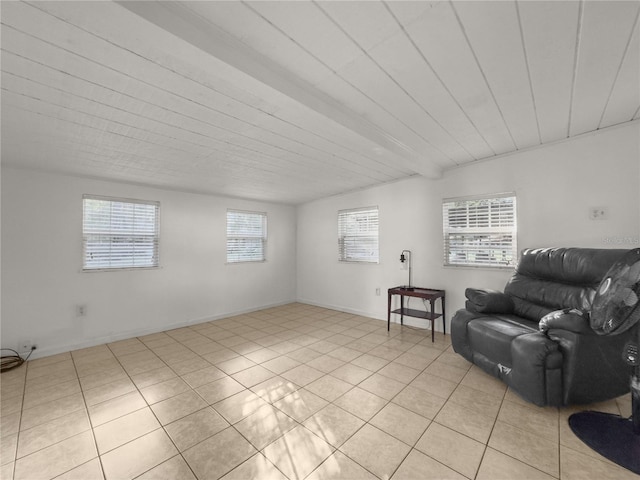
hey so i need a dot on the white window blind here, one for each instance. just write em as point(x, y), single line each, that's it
point(358, 235)
point(480, 232)
point(246, 236)
point(119, 233)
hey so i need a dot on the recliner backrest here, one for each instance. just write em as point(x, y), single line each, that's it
point(548, 279)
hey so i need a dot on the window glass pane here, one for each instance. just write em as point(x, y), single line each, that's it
point(480, 231)
point(246, 236)
point(119, 233)
point(358, 235)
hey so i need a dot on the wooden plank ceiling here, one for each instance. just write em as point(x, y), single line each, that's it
point(294, 101)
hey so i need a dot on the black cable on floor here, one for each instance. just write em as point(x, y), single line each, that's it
point(9, 362)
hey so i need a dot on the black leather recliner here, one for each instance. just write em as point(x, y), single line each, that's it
point(536, 335)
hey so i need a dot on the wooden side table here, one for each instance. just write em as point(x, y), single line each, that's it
point(429, 294)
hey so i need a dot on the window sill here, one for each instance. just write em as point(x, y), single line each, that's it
point(481, 267)
point(119, 269)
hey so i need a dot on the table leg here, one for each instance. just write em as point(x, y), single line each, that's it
point(433, 320)
point(444, 318)
point(388, 310)
point(401, 309)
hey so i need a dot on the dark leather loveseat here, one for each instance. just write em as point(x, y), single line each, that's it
point(559, 360)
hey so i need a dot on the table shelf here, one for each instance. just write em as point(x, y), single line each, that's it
point(412, 312)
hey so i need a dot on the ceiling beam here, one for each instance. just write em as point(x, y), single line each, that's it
point(188, 26)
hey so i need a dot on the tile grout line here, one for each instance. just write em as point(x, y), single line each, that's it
point(230, 425)
point(261, 451)
point(504, 399)
point(371, 373)
point(368, 422)
point(299, 331)
point(117, 359)
point(178, 341)
point(57, 418)
point(433, 420)
point(152, 412)
point(24, 391)
point(91, 428)
point(301, 424)
point(486, 444)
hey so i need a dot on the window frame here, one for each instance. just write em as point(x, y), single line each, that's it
point(501, 236)
point(263, 237)
point(343, 248)
point(155, 235)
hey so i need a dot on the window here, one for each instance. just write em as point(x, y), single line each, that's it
point(358, 235)
point(480, 232)
point(118, 233)
point(246, 236)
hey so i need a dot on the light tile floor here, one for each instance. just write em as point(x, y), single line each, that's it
point(291, 392)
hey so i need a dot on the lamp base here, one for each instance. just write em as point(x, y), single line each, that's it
point(610, 435)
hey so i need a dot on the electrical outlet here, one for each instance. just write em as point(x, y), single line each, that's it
point(26, 346)
point(81, 310)
point(378, 291)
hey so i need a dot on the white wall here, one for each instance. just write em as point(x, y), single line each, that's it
point(555, 186)
point(409, 218)
point(42, 280)
point(41, 243)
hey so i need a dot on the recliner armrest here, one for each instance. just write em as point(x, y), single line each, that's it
point(488, 301)
point(536, 372)
point(570, 319)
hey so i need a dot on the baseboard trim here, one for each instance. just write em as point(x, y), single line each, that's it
point(410, 321)
point(92, 342)
point(340, 308)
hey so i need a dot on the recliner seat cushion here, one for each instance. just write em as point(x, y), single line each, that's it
point(492, 337)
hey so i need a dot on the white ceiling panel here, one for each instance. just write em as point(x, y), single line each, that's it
point(292, 101)
point(500, 53)
point(458, 69)
point(606, 28)
point(421, 131)
point(422, 84)
point(407, 11)
point(243, 22)
point(306, 25)
point(366, 23)
point(625, 94)
point(341, 88)
point(172, 17)
point(550, 32)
